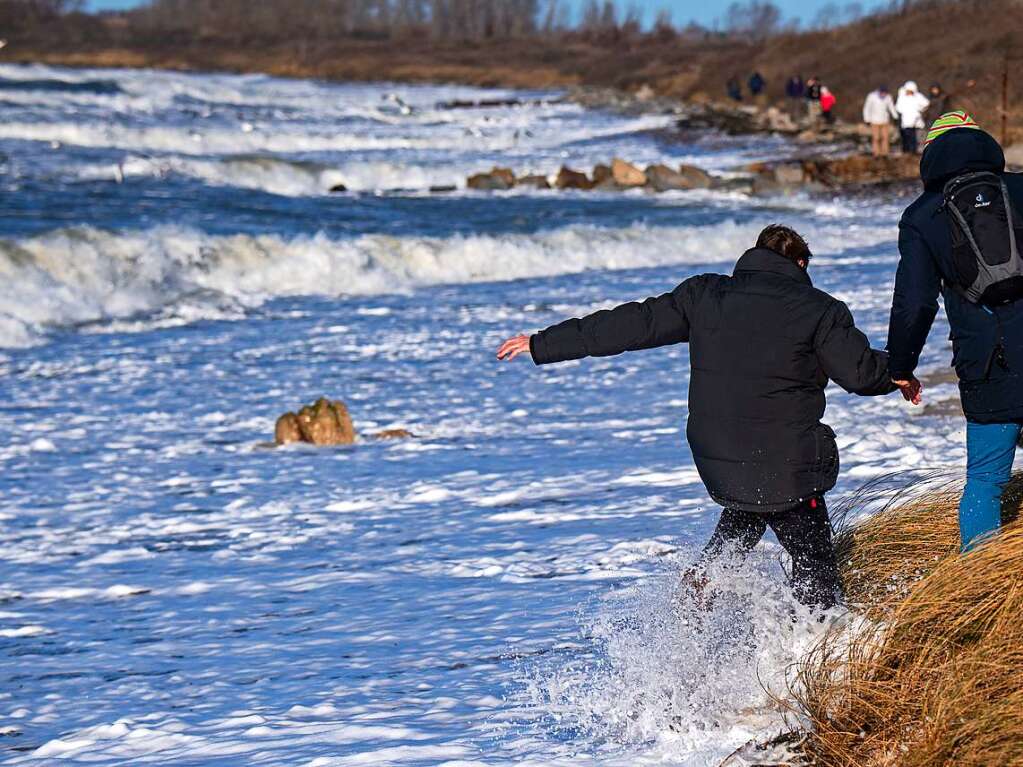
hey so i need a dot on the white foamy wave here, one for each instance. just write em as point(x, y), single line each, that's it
point(677, 672)
point(200, 141)
point(291, 178)
point(86, 275)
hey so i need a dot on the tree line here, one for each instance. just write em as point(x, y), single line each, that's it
point(446, 20)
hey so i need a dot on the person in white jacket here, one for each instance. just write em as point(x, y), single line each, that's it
point(911, 106)
point(878, 113)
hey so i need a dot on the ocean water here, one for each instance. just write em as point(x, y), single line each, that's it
point(501, 589)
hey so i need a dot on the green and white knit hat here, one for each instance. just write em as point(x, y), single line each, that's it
point(950, 121)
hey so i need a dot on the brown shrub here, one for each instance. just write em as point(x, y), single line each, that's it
point(934, 674)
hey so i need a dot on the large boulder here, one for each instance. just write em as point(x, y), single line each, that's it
point(626, 175)
point(323, 423)
point(572, 179)
point(661, 178)
point(498, 179)
point(778, 121)
point(602, 175)
point(534, 182)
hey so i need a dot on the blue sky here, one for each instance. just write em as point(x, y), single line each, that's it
point(705, 11)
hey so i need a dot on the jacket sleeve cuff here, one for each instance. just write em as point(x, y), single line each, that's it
point(900, 375)
point(535, 349)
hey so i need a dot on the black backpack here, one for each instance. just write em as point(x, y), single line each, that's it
point(985, 238)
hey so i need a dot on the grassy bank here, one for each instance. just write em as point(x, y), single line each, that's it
point(934, 674)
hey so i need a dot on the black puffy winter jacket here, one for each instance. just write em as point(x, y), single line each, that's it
point(763, 344)
point(992, 390)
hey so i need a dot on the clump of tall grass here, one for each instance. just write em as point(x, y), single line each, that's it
point(933, 673)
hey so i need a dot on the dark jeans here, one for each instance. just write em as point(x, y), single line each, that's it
point(805, 533)
point(909, 144)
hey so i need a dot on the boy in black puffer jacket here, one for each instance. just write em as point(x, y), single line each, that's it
point(763, 345)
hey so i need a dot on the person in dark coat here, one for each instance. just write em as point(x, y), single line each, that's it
point(795, 87)
point(763, 345)
point(756, 83)
point(734, 88)
point(941, 103)
point(987, 341)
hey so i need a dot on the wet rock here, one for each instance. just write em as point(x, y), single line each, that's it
point(534, 182)
point(861, 169)
point(323, 423)
point(394, 434)
point(626, 175)
point(338, 188)
point(286, 430)
point(443, 188)
point(661, 178)
point(777, 121)
point(496, 180)
point(572, 179)
point(645, 94)
point(734, 121)
point(602, 174)
point(827, 172)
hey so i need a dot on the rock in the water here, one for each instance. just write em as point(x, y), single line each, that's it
point(394, 434)
point(286, 430)
point(338, 188)
point(602, 174)
point(626, 174)
point(698, 177)
point(324, 423)
point(661, 178)
point(498, 179)
point(534, 182)
point(572, 179)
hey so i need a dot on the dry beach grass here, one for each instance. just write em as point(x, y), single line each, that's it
point(933, 674)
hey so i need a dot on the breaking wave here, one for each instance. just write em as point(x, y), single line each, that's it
point(85, 275)
point(291, 178)
point(55, 85)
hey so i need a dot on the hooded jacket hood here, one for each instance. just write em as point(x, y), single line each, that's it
point(959, 151)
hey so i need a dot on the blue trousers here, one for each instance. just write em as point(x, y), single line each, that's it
point(990, 449)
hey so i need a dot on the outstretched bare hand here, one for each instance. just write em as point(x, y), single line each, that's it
point(911, 389)
point(513, 347)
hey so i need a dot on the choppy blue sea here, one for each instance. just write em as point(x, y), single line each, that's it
point(174, 274)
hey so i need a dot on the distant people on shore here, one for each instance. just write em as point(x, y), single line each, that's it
point(756, 84)
point(812, 95)
point(828, 105)
point(941, 103)
point(794, 90)
point(911, 106)
point(795, 87)
point(878, 112)
point(734, 88)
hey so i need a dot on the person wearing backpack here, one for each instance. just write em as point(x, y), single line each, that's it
point(961, 238)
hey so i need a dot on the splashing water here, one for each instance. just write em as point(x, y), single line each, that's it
point(678, 670)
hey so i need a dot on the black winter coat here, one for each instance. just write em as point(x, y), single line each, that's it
point(763, 344)
point(992, 391)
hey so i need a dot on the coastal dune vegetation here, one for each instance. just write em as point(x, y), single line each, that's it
point(967, 45)
point(932, 672)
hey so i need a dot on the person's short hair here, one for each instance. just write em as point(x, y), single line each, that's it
point(785, 241)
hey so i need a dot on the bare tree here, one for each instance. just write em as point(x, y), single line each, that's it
point(754, 19)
